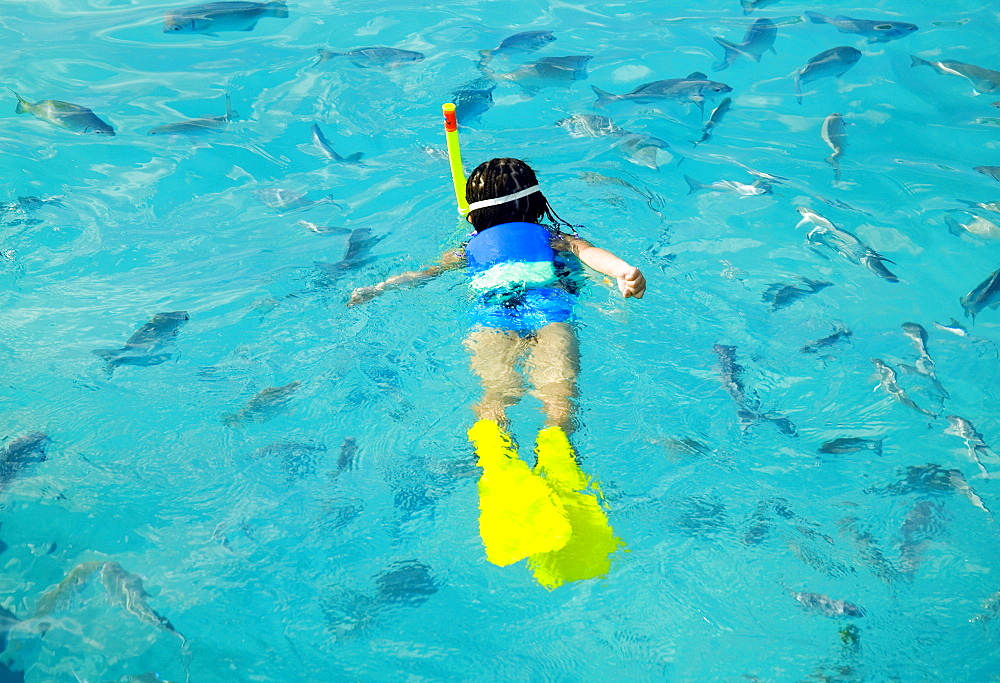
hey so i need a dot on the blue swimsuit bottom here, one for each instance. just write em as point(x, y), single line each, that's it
point(523, 311)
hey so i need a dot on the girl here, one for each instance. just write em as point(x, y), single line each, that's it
point(523, 297)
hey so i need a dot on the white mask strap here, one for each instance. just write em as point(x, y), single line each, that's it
point(503, 200)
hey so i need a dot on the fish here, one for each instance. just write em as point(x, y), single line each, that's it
point(324, 229)
point(359, 245)
point(874, 31)
point(887, 380)
point(323, 145)
point(126, 590)
point(991, 171)
point(20, 453)
point(366, 57)
point(731, 186)
point(925, 364)
point(589, 126)
point(840, 334)
point(750, 5)
point(953, 326)
point(298, 458)
point(826, 234)
point(978, 226)
point(781, 294)
point(833, 62)
point(922, 522)
point(852, 444)
point(549, 71)
point(406, 583)
point(348, 452)
point(525, 41)
point(959, 485)
point(983, 80)
point(758, 39)
point(473, 99)
point(197, 126)
point(988, 206)
point(284, 201)
point(263, 405)
point(59, 596)
point(213, 17)
point(984, 295)
point(828, 607)
point(66, 115)
point(695, 88)
point(991, 608)
point(834, 134)
point(140, 349)
point(748, 405)
point(869, 550)
point(962, 428)
point(687, 447)
point(645, 150)
point(714, 119)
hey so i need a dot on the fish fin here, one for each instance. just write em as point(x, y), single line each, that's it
point(917, 61)
point(798, 89)
point(697, 75)
point(22, 104)
point(278, 9)
point(354, 157)
point(732, 52)
point(693, 184)
point(604, 97)
point(250, 27)
point(817, 18)
point(230, 114)
point(107, 354)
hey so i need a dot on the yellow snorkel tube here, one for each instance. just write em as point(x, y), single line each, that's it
point(455, 156)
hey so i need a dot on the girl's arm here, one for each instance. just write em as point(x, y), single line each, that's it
point(449, 261)
point(630, 279)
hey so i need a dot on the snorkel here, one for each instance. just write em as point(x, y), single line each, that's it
point(455, 156)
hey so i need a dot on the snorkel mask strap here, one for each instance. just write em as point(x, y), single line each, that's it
point(503, 200)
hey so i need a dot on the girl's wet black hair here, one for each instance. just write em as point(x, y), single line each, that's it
point(500, 177)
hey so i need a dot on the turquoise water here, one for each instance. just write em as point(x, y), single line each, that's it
point(331, 534)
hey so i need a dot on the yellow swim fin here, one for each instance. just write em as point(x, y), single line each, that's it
point(519, 515)
point(587, 554)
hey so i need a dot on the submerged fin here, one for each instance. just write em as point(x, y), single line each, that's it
point(519, 515)
point(587, 554)
point(604, 97)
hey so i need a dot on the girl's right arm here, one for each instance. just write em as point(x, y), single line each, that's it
point(450, 260)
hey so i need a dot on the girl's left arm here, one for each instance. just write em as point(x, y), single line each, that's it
point(630, 280)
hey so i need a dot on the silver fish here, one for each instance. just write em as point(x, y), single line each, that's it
point(695, 88)
point(549, 71)
point(526, 41)
point(197, 126)
point(991, 171)
point(65, 115)
point(714, 119)
point(826, 234)
point(22, 452)
point(828, 607)
point(922, 522)
point(840, 334)
point(983, 80)
point(988, 206)
point(140, 349)
point(263, 405)
point(323, 145)
point(59, 596)
point(962, 428)
point(834, 134)
point(126, 590)
point(408, 583)
point(954, 327)
point(365, 57)
point(978, 226)
point(221, 16)
point(869, 550)
point(758, 39)
point(984, 295)
point(781, 294)
point(874, 31)
point(645, 150)
point(747, 404)
point(473, 99)
point(851, 444)
point(918, 335)
point(589, 126)
point(750, 5)
point(887, 380)
point(283, 201)
point(731, 186)
point(833, 62)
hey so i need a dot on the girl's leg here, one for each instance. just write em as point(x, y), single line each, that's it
point(553, 366)
point(495, 354)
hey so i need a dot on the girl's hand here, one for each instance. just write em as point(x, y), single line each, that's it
point(632, 284)
point(363, 294)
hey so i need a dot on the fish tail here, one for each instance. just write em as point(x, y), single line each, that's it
point(277, 9)
point(817, 18)
point(604, 97)
point(325, 54)
point(23, 106)
point(917, 61)
point(693, 184)
point(798, 89)
point(732, 52)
